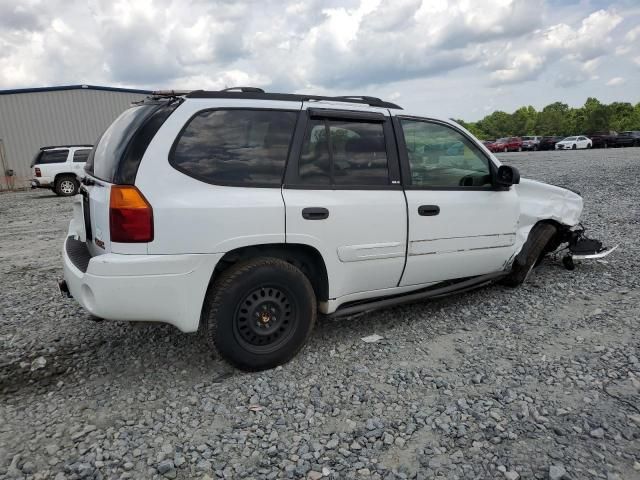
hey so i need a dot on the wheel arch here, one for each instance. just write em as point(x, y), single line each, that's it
point(553, 243)
point(64, 174)
point(305, 257)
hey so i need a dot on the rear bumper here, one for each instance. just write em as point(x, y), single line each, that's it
point(156, 288)
point(40, 182)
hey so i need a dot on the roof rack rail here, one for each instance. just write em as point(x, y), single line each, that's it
point(243, 89)
point(169, 93)
point(65, 146)
point(360, 97)
point(291, 97)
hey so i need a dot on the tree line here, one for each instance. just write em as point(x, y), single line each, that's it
point(558, 119)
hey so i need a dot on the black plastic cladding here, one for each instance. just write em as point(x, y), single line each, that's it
point(292, 97)
point(130, 161)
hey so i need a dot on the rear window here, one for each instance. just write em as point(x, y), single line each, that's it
point(235, 147)
point(105, 158)
point(80, 156)
point(51, 156)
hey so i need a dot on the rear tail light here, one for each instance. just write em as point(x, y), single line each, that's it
point(130, 215)
point(38, 172)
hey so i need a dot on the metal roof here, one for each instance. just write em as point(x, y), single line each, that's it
point(73, 87)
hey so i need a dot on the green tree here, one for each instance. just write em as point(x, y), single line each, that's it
point(524, 121)
point(558, 119)
point(623, 116)
point(554, 120)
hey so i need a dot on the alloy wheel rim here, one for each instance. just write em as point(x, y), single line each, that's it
point(67, 186)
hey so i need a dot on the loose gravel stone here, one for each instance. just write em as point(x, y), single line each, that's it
point(539, 381)
point(557, 472)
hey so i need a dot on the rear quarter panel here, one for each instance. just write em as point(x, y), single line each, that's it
point(191, 216)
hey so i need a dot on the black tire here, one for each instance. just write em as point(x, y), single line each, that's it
point(259, 313)
point(66, 186)
point(574, 147)
point(588, 146)
point(540, 235)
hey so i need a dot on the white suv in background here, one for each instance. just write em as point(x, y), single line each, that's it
point(60, 168)
point(248, 213)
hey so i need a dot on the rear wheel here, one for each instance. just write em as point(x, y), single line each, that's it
point(66, 185)
point(533, 248)
point(259, 313)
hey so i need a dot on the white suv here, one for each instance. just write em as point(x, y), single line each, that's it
point(249, 213)
point(59, 168)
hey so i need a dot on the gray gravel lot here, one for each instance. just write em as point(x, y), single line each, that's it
point(538, 382)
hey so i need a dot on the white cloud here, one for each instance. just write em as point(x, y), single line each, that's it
point(324, 46)
point(615, 81)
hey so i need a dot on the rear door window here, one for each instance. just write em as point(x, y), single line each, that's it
point(344, 153)
point(235, 146)
point(52, 156)
point(80, 156)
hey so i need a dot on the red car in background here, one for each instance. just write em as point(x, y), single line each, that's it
point(506, 144)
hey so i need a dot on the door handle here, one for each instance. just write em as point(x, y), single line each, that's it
point(315, 213)
point(428, 210)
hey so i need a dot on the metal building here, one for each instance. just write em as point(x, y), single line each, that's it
point(35, 117)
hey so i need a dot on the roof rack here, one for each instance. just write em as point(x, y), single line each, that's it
point(65, 146)
point(252, 93)
point(243, 89)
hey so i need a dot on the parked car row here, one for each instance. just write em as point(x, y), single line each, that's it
point(597, 140)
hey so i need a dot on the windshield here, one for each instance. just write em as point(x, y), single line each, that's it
point(570, 139)
point(105, 157)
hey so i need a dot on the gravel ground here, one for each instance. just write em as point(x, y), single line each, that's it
point(538, 382)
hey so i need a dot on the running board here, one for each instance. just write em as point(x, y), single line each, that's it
point(410, 297)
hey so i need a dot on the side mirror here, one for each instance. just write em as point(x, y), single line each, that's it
point(507, 176)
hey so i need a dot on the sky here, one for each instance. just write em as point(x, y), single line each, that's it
point(447, 58)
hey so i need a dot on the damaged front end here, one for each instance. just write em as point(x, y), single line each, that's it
point(580, 247)
point(540, 202)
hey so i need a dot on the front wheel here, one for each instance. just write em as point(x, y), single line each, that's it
point(574, 147)
point(533, 249)
point(259, 313)
point(66, 186)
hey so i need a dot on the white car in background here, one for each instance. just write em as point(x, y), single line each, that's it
point(60, 168)
point(574, 143)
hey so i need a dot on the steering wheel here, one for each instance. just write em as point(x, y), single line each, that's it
point(467, 181)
